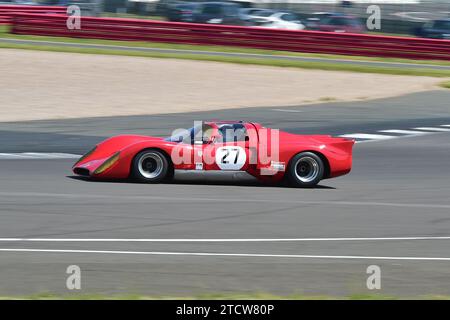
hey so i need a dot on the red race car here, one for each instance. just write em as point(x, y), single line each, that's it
point(269, 155)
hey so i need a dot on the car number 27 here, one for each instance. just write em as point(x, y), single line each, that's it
point(230, 158)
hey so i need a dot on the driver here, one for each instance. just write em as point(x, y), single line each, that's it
point(208, 132)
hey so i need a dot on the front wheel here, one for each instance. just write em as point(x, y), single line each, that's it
point(306, 169)
point(150, 166)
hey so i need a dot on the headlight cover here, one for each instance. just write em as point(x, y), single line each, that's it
point(108, 163)
point(85, 155)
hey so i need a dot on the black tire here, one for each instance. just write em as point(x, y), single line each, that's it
point(150, 166)
point(306, 169)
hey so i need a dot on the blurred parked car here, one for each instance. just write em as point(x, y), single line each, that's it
point(437, 29)
point(341, 23)
point(183, 12)
point(248, 14)
point(313, 21)
point(21, 2)
point(277, 20)
point(88, 7)
point(218, 13)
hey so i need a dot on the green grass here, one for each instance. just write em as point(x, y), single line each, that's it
point(218, 296)
point(445, 84)
point(327, 99)
point(240, 60)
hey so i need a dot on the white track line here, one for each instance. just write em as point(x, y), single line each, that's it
point(220, 240)
point(13, 156)
point(218, 254)
point(38, 155)
point(406, 132)
point(55, 155)
point(433, 129)
point(367, 136)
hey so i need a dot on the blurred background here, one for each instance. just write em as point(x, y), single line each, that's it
point(423, 18)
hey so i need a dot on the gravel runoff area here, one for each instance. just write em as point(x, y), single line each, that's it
point(39, 85)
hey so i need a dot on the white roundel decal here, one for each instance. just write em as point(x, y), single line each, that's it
point(230, 157)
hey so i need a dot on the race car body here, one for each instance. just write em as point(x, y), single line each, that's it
point(268, 154)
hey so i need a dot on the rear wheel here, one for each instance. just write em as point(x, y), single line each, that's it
point(150, 166)
point(306, 169)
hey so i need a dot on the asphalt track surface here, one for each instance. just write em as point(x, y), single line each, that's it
point(398, 191)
